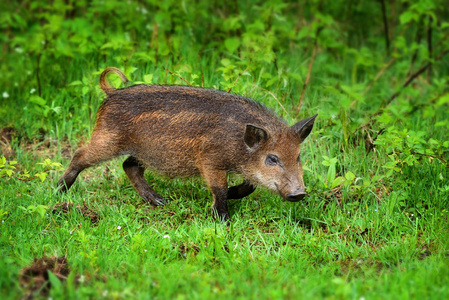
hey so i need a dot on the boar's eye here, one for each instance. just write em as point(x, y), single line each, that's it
point(271, 160)
point(299, 159)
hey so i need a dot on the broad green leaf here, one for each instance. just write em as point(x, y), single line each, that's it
point(76, 82)
point(37, 100)
point(232, 44)
point(41, 209)
point(337, 181)
point(56, 284)
point(129, 71)
point(42, 176)
point(349, 176)
point(225, 62)
point(408, 16)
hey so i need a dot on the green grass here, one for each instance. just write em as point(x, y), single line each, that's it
point(382, 232)
point(365, 247)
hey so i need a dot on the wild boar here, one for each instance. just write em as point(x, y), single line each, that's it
point(187, 131)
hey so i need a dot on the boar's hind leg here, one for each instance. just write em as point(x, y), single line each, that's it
point(241, 190)
point(85, 157)
point(135, 172)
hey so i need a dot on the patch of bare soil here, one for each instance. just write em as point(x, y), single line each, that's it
point(185, 250)
point(6, 135)
point(47, 148)
point(35, 278)
point(40, 147)
point(66, 207)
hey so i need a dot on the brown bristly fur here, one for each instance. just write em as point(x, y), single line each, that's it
point(186, 131)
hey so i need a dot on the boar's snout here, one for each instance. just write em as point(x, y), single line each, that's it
point(297, 195)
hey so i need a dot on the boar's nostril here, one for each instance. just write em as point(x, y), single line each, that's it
point(297, 195)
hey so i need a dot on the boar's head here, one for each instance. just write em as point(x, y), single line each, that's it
point(275, 160)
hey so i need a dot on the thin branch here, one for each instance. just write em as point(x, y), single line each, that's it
point(406, 83)
point(166, 69)
point(129, 56)
point(39, 90)
point(429, 47)
point(229, 90)
point(188, 83)
point(415, 75)
point(309, 72)
point(379, 74)
point(275, 98)
point(387, 36)
point(60, 276)
point(418, 39)
point(202, 77)
point(154, 41)
point(27, 179)
point(431, 156)
point(433, 100)
point(392, 18)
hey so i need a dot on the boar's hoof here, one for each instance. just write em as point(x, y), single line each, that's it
point(296, 196)
point(154, 198)
point(225, 220)
point(159, 201)
point(223, 217)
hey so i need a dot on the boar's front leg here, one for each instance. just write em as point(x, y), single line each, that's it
point(135, 172)
point(218, 184)
point(241, 190)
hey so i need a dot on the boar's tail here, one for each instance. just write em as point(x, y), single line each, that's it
point(104, 84)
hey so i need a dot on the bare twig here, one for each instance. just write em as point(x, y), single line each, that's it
point(415, 75)
point(180, 77)
point(202, 77)
point(406, 83)
point(275, 98)
point(418, 39)
point(432, 156)
point(387, 36)
point(27, 179)
point(442, 40)
point(392, 60)
point(129, 56)
point(166, 70)
point(429, 47)
point(379, 74)
point(433, 100)
point(38, 58)
point(309, 72)
point(229, 90)
point(392, 18)
point(154, 41)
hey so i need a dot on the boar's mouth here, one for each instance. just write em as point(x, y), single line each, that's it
point(294, 196)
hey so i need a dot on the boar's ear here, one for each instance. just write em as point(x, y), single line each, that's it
point(255, 136)
point(304, 127)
